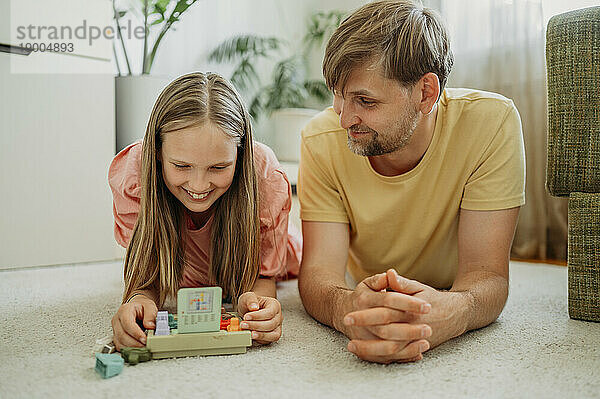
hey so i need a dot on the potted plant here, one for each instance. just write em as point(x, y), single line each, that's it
point(136, 91)
point(288, 99)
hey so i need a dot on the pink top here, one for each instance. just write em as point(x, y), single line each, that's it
point(280, 243)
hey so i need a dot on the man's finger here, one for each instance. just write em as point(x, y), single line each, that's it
point(374, 317)
point(387, 360)
point(376, 282)
point(403, 284)
point(393, 300)
point(401, 331)
point(389, 351)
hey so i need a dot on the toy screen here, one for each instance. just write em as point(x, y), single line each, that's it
point(200, 302)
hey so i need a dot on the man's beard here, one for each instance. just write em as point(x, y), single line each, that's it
point(376, 144)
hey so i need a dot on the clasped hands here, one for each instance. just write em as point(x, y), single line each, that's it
point(383, 322)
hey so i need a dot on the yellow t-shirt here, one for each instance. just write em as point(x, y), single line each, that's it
point(476, 161)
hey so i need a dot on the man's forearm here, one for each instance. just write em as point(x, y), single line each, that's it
point(324, 296)
point(484, 294)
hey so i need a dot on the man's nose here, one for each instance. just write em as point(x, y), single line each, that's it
point(348, 117)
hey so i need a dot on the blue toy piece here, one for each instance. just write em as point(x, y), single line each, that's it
point(109, 364)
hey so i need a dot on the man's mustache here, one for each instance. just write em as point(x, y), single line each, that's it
point(360, 128)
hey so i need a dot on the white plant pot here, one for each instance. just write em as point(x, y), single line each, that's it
point(286, 126)
point(135, 96)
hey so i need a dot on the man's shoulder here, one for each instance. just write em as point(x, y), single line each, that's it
point(477, 115)
point(475, 100)
point(325, 125)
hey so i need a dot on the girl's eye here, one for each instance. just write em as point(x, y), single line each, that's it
point(219, 167)
point(181, 166)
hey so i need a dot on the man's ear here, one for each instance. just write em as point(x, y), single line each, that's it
point(429, 85)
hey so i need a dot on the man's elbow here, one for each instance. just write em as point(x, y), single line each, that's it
point(304, 283)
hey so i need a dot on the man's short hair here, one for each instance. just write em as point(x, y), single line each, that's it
point(407, 39)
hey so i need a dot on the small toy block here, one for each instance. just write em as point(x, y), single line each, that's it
point(198, 344)
point(104, 345)
point(225, 324)
point(162, 323)
point(234, 324)
point(108, 364)
point(172, 321)
point(135, 355)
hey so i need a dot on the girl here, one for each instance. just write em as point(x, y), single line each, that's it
point(198, 203)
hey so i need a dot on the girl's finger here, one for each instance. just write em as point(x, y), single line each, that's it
point(127, 321)
point(266, 337)
point(270, 309)
point(263, 325)
point(248, 302)
point(121, 338)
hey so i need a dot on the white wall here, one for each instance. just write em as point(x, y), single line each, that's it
point(57, 137)
point(209, 22)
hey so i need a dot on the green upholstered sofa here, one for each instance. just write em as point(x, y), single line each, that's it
point(573, 66)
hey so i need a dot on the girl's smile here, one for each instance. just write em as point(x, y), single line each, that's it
point(198, 197)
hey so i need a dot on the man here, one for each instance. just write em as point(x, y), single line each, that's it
point(412, 189)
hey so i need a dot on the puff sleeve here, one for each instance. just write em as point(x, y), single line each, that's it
point(280, 241)
point(124, 181)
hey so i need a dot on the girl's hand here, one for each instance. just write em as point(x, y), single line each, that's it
point(126, 331)
point(261, 315)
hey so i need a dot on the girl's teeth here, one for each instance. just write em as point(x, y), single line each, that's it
point(197, 196)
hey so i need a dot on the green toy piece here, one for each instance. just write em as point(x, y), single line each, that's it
point(135, 355)
point(109, 364)
point(172, 321)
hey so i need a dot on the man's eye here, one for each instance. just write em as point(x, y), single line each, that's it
point(366, 102)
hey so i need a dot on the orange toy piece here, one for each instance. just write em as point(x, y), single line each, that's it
point(234, 324)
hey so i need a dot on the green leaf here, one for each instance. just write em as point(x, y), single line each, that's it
point(318, 89)
point(321, 26)
point(158, 21)
point(244, 46)
point(245, 75)
point(257, 107)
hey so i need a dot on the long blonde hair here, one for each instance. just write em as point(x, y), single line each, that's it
point(155, 255)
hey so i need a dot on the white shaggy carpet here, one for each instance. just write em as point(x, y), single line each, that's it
point(52, 316)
